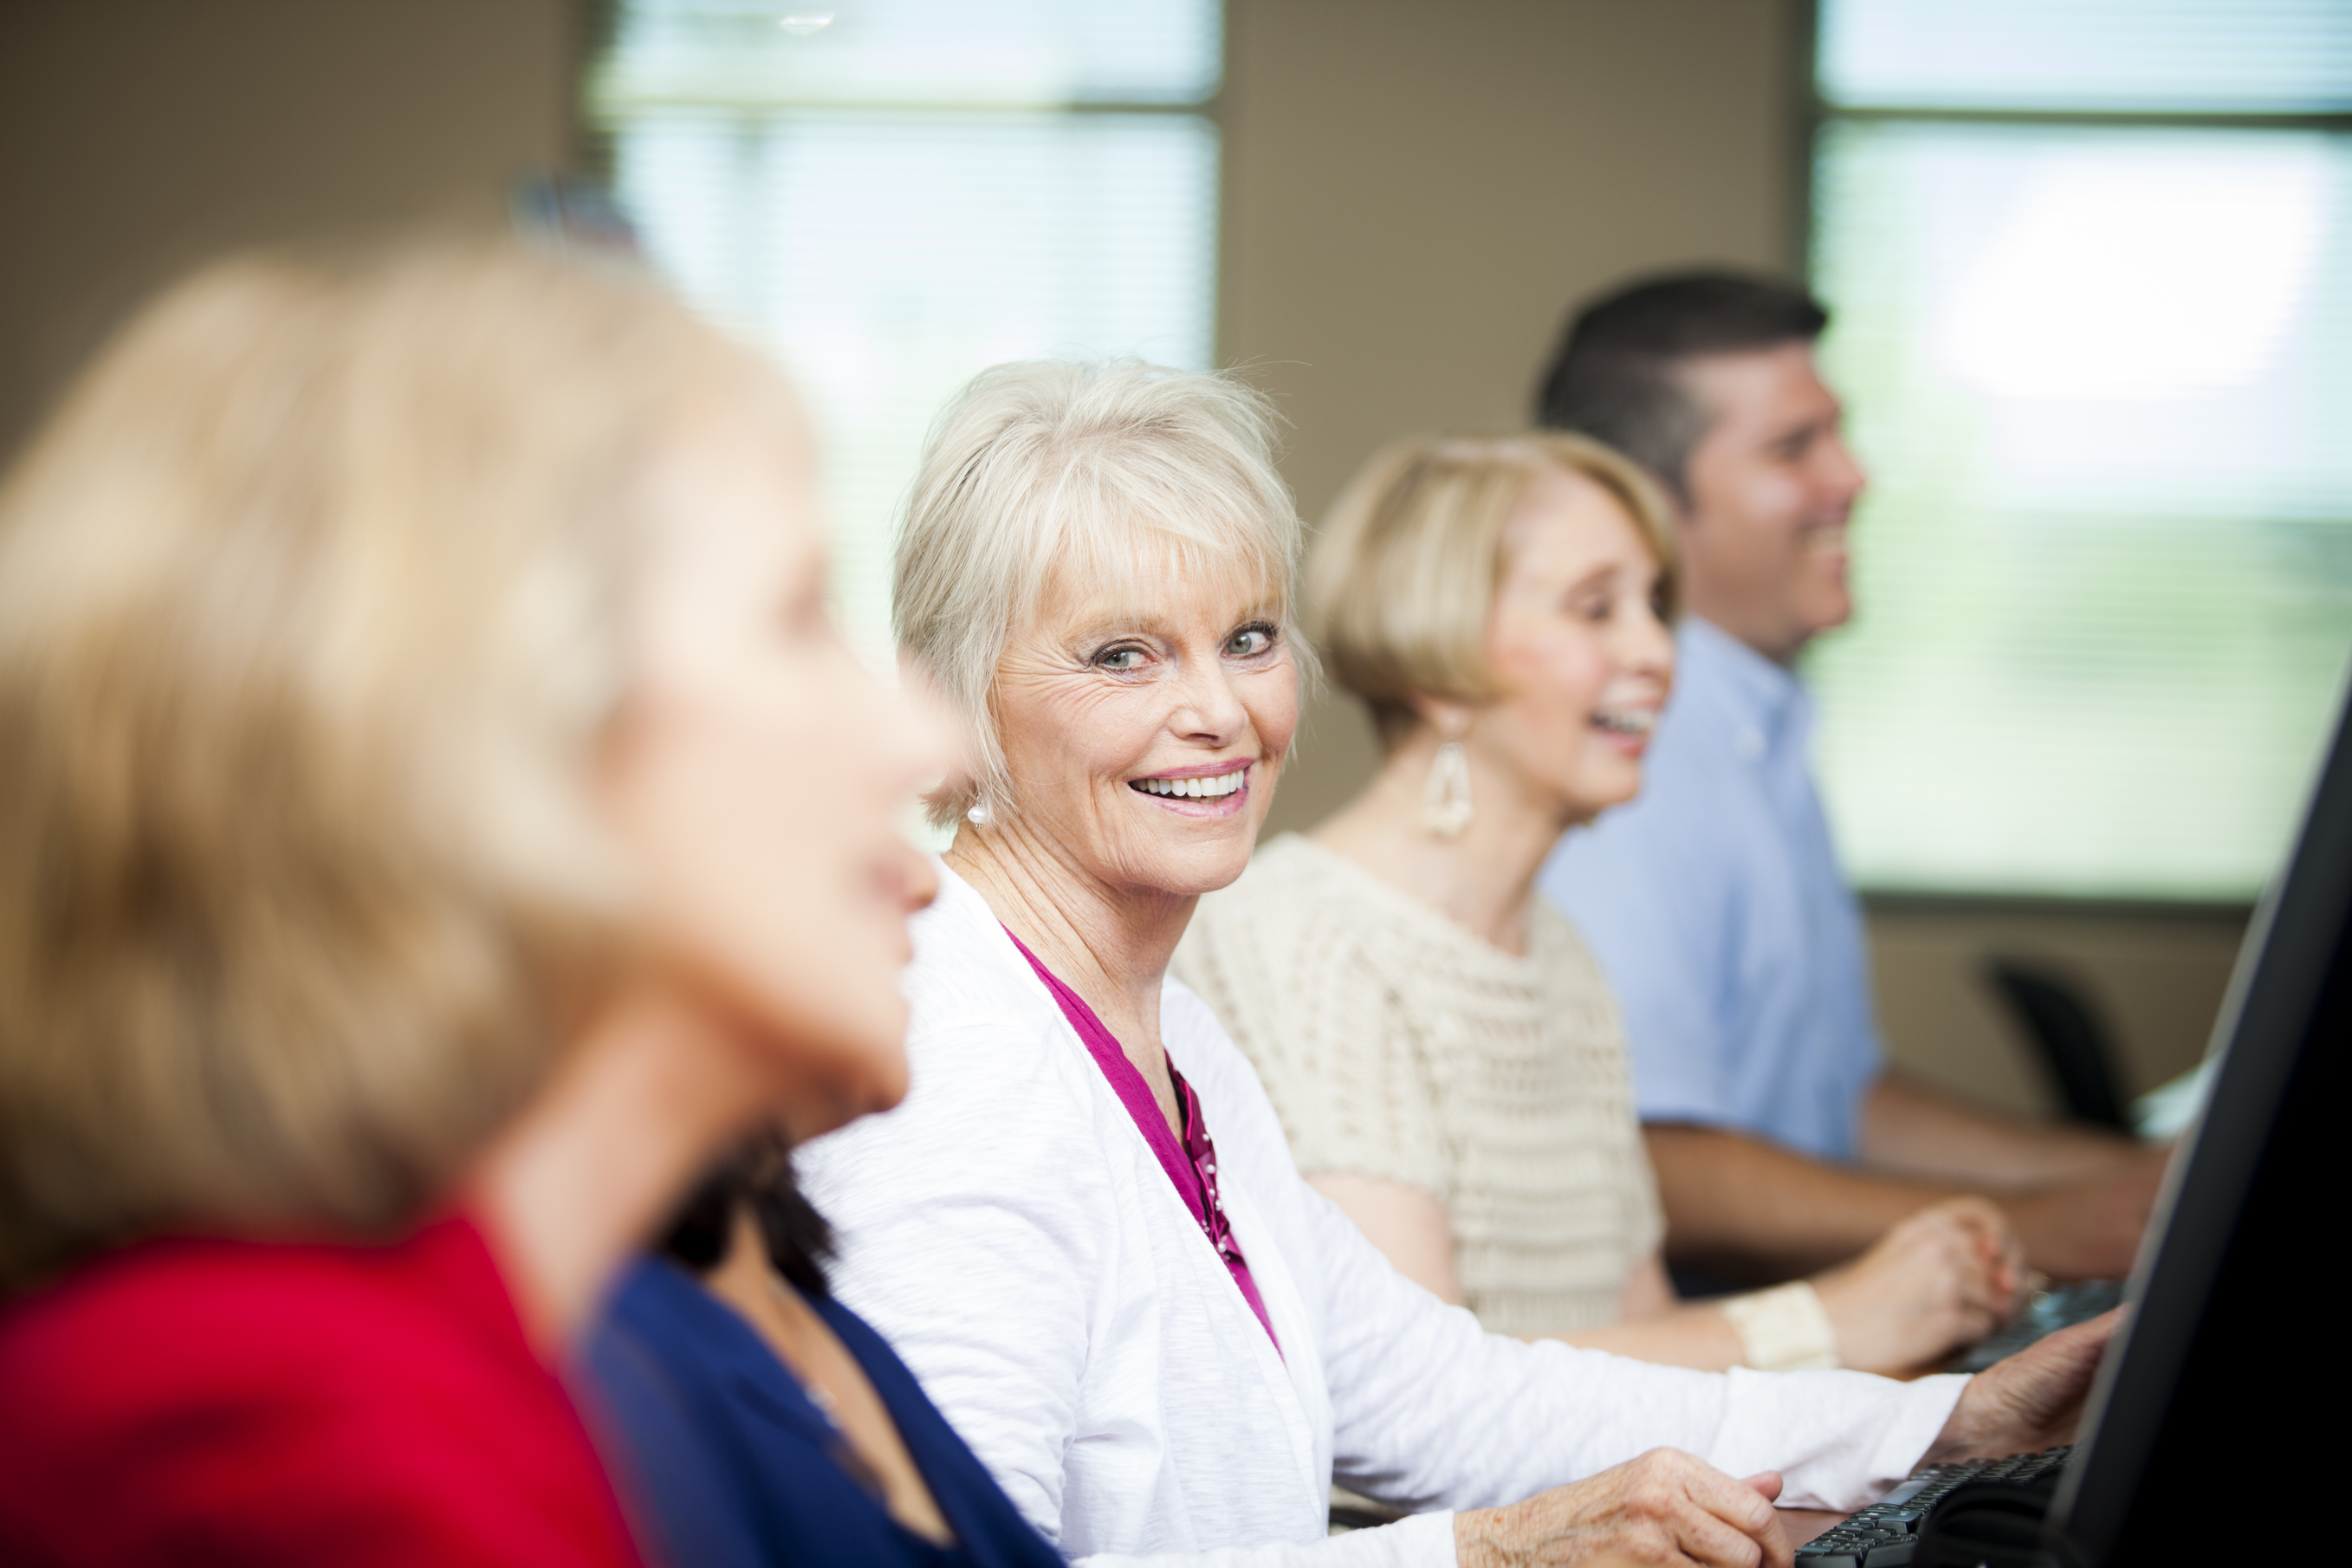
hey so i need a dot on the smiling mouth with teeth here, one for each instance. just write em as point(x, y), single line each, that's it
point(1632, 721)
point(1207, 788)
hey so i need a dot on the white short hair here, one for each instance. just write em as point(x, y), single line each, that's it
point(1100, 472)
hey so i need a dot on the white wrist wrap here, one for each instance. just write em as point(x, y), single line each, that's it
point(1784, 1329)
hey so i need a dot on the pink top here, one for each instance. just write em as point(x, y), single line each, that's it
point(1192, 1168)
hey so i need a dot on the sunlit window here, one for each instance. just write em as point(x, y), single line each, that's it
point(2091, 262)
point(892, 194)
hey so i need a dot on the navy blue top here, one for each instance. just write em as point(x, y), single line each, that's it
point(736, 1468)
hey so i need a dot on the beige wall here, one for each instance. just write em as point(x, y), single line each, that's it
point(1415, 192)
point(143, 136)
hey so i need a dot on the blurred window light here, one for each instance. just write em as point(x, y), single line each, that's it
point(2241, 56)
point(2101, 372)
point(893, 194)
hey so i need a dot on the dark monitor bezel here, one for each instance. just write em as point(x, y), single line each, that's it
point(2266, 1023)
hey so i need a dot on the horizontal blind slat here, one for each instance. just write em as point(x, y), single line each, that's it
point(2248, 55)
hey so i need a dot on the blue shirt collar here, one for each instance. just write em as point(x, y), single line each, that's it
point(1765, 704)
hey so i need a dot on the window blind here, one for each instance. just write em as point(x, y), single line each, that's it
point(892, 197)
point(2102, 376)
point(2247, 56)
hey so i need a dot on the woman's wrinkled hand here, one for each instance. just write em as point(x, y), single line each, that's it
point(2030, 1401)
point(1664, 1507)
point(1941, 1280)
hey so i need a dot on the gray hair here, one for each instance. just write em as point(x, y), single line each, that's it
point(1046, 471)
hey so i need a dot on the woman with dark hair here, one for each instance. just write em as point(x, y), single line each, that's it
point(765, 1422)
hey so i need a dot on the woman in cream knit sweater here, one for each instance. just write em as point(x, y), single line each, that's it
point(1444, 1054)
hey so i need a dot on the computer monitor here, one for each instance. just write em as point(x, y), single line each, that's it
point(2234, 1330)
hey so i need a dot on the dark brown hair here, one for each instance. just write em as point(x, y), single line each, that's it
point(757, 1174)
point(1616, 373)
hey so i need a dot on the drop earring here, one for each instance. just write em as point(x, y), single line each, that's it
point(1446, 798)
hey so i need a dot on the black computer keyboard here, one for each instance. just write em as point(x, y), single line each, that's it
point(1882, 1535)
point(2047, 1311)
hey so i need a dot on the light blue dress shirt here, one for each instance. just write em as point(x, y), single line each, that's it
point(1715, 903)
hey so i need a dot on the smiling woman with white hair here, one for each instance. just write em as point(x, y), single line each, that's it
point(1082, 1228)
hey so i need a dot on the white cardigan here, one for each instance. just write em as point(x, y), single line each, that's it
point(1010, 1232)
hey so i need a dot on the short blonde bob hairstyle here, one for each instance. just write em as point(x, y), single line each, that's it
point(312, 614)
point(1402, 580)
point(1046, 477)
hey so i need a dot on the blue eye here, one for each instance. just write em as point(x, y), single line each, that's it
point(1249, 642)
point(1119, 659)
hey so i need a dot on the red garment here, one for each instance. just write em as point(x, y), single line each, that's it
point(191, 1402)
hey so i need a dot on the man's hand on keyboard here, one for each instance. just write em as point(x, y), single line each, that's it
point(2090, 1228)
point(1664, 1507)
point(2031, 1401)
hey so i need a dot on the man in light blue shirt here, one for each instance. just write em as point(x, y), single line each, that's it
point(1715, 901)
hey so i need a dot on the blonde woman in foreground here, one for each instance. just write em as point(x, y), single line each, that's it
point(440, 821)
point(1083, 1230)
point(1444, 1053)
